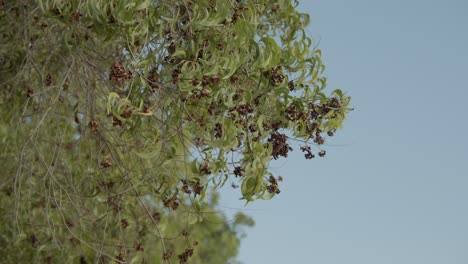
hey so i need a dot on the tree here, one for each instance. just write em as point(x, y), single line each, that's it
point(121, 119)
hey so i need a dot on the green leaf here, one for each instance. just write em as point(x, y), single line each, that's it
point(143, 5)
point(154, 153)
point(193, 218)
point(179, 53)
point(248, 187)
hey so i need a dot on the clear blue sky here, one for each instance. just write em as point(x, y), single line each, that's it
point(394, 185)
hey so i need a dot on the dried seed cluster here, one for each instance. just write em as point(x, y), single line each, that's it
point(106, 163)
point(244, 109)
point(275, 75)
point(118, 73)
point(280, 147)
point(273, 186)
point(239, 171)
point(167, 255)
point(308, 153)
point(319, 111)
point(153, 79)
point(218, 130)
point(192, 186)
point(237, 11)
point(124, 223)
point(204, 168)
point(114, 203)
point(210, 80)
point(200, 93)
point(184, 256)
point(172, 202)
point(138, 247)
point(93, 125)
point(48, 80)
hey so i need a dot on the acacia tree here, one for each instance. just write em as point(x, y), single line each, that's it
point(121, 119)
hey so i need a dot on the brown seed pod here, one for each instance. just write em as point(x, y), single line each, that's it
point(93, 125)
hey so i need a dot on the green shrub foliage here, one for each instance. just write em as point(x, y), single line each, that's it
point(121, 119)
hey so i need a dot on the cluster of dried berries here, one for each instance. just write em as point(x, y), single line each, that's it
point(273, 126)
point(124, 223)
point(29, 92)
point(273, 186)
point(75, 17)
point(205, 169)
point(186, 187)
point(48, 80)
point(236, 13)
point(308, 153)
point(167, 255)
point(153, 79)
point(195, 82)
point(213, 109)
point(105, 184)
point(69, 223)
point(117, 122)
point(209, 80)
point(318, 138)
point(126, 114)
point(253, 128)
point(106, 163)
point(237, 95)
point(275, 75)
point(241, 122)
point(313, 128)
point(175, 75)
point(120, 258)
point(280, 147)
point(168, 59)
point(185, 233)
point(171, 202)
point(112, 202)
point(93, 125)
point(234, 79)
point(244, 109)
point(184, 256)
point(192, 186)
point(138, 247)
point(156, 217)
point(334, 103)
point(218, 130)
point(293, 113)
point(318, 111)
point(291, 86)
point(239, 171)
point(200, 93)
point(314, 113)
point(171, 48)
point(199, 142)
point(118, 73)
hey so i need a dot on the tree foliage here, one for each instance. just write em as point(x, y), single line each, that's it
point(120, 120)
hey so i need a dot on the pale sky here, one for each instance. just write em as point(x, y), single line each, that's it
point(393, 187)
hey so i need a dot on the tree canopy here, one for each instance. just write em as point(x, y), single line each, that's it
point(121, 120)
